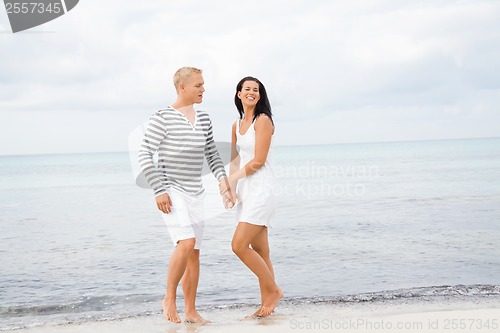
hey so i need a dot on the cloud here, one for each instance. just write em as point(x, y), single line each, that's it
point(116, 58)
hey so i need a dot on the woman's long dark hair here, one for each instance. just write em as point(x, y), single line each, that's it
point(262, 107)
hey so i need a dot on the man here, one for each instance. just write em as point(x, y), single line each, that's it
point(182, 136)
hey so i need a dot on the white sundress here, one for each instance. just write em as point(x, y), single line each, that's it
point(256, 193)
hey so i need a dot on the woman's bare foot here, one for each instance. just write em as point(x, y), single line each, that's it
point(256, 314)
point(170, 311)
point(195, 318)
point(271, 303)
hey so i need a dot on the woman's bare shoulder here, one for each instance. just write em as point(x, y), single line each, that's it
point(263, 119)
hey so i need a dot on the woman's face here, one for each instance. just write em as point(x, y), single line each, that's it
point(249, 93)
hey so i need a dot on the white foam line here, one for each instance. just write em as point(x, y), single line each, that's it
point(64, 6)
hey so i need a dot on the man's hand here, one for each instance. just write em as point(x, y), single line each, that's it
point(164, 203)
point(223, 186)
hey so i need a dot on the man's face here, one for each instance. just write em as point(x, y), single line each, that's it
point(193, 88)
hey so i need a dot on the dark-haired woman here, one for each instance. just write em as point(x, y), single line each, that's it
point(252, 176)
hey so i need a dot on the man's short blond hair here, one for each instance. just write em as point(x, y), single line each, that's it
point(182, 74)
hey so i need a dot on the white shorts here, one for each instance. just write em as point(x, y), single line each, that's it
point(187, 218)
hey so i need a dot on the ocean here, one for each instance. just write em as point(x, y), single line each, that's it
point(81, 241)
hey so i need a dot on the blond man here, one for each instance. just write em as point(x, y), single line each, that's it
point(183, 137)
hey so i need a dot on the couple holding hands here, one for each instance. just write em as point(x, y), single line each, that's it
point(183, 137)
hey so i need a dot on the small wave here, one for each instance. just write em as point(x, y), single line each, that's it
point(85, 304)
point(462, 291)
point(409, 293)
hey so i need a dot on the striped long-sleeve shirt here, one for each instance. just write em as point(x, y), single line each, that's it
point(181, 148)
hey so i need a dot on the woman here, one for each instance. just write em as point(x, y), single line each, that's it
point(251, 140)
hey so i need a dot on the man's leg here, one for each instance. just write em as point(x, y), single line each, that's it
point(189, 284)
point(176, 269)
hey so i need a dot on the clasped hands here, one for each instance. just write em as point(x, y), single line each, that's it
point(227, 188)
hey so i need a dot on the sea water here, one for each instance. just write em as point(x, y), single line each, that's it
point(80, 240)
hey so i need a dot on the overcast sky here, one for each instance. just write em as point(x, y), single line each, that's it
point(335, 71)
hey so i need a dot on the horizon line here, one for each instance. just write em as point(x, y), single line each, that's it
point(276, 146)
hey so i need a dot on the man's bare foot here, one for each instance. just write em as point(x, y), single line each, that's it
point(195, 318)
point(271, 303)
point(170, 311)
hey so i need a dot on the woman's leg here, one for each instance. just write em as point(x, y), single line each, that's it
point(260, 244)
point(244, 235)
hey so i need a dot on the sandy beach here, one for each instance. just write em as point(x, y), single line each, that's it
point(422, 315)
